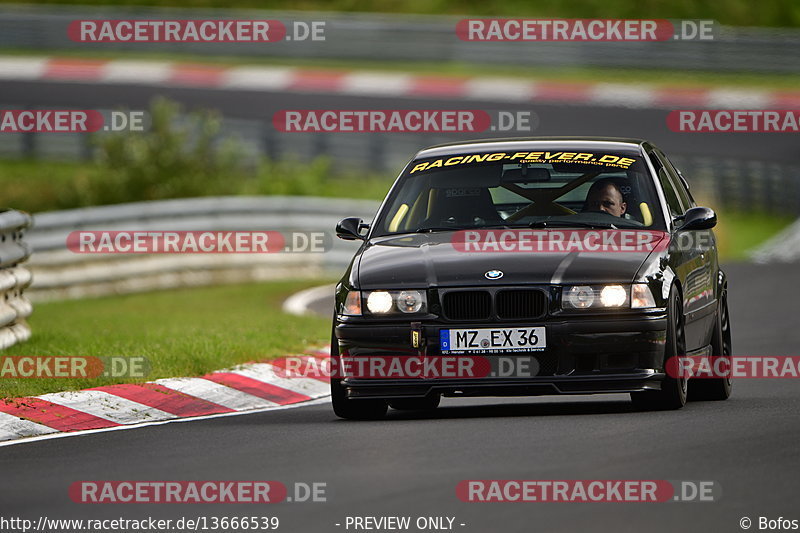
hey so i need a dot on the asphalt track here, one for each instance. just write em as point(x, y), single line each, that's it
point(409, 465)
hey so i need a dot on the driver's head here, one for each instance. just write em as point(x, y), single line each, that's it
point(605, 196)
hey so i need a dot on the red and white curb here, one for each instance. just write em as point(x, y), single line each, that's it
point(244, 388)
point(386, 84)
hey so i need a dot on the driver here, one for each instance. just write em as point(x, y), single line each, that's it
point(605, 196)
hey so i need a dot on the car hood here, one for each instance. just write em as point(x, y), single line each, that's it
point(423, 260)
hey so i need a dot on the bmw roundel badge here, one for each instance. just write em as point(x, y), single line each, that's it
point(494, 274)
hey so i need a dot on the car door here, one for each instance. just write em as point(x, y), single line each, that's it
point(705, 242)
point(696, 260)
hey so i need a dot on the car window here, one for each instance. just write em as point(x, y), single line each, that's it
point(683, 194)
point(673, 202)
point(521, 189)
point(680, 187)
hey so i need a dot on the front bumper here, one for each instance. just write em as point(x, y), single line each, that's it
point(584, 355)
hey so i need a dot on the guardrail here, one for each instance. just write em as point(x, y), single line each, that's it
point(60, 273)
point(15, 307)
point(395, 37)
point(744, 184)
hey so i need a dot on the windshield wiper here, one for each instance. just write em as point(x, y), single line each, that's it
point(434, 229)
point(507, 226)
point(569, 224)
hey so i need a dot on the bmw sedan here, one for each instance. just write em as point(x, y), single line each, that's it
point(522, 267)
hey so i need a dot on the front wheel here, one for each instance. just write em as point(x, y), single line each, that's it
point(673, 389)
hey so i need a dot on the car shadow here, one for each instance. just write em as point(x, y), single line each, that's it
point(517, 410)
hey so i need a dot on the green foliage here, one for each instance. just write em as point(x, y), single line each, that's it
point(180, 155)
point(176, 157)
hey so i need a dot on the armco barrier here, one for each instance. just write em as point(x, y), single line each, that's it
point(60, 273)
point(14, 305)
point(397, 37)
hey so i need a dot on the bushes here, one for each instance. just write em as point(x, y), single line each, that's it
point(177, 156)
point(180, 155)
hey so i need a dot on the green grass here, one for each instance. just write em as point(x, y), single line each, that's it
point(185, 332)
point(734, 12)
point(739, 233)
point(676, 78)
point(43, 185)
point(35, 186)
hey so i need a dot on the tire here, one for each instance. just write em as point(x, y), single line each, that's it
point(428, 403)
point(673, 391)
point(716, 389)
point(347, 408)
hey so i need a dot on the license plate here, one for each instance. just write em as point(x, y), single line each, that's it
point(485, 340)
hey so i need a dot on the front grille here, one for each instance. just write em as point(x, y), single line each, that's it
point(517, 304)
point(467, 305)
point(500, 304)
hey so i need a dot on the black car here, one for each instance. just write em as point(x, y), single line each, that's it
point(582, 264)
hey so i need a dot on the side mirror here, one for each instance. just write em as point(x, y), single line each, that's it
point(350, 228)
point(698, 218)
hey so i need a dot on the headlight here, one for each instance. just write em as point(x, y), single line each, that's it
point(613, 296)
point(641, 296)
point(379, 302)
point(410, 301)
point(594, 297)
point(406, 302)
point(580, 297)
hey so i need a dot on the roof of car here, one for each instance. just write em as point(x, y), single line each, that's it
point(597, 143)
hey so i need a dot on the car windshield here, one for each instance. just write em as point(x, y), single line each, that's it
point(553, 188)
